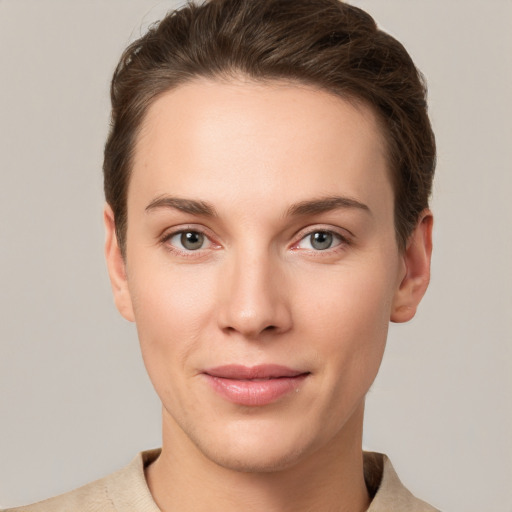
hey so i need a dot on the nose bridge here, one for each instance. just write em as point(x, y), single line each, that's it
point(254, 293)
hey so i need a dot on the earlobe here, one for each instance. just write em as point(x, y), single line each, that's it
point(116, 267)
point(416, 259)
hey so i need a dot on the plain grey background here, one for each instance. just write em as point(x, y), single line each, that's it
point(75, 402)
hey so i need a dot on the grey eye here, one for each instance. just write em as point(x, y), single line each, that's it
point(192, 240)
point(321, 240)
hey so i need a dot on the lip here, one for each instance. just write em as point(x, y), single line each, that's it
point(256, 385)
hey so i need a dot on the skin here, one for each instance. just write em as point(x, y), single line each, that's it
point(258, 292)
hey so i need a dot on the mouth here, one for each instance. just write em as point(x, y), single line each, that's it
point(256, 385)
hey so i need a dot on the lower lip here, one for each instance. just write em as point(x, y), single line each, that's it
point(255, 392)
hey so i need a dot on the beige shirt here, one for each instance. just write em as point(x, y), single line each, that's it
point(127, 491)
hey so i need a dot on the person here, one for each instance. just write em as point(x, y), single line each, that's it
point(267, 177)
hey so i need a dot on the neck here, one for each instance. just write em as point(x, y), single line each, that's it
point(328, 479)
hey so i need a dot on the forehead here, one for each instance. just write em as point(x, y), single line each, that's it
point(218, 138)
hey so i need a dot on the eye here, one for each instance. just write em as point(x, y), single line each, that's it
point(320, 240)
point(188, 240)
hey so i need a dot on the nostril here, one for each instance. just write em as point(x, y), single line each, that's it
point(270, 328)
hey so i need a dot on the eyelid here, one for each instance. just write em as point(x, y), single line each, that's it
point(169, 233)
point(343, 235)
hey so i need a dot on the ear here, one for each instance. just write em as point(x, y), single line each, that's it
point(116, 267)
point(416, 275)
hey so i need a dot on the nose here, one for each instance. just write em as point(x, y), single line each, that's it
point(254, 300)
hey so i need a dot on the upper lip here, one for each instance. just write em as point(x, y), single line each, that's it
point(263, 371)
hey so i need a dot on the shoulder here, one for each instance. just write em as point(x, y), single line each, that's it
point(89, 498)
point(121, 491)
point(389, 492)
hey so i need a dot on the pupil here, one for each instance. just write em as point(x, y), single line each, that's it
point(321, 240)
point(192, 240)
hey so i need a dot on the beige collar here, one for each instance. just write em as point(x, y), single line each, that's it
point(128, 490)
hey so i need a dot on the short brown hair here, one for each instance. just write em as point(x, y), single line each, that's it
point(324, 43)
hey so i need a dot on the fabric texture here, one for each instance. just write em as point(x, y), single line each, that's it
point(127, 491)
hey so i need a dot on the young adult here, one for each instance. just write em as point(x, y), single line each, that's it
point(267, 177)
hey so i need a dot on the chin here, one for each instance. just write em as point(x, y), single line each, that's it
point(261, 448)
point(257, 460)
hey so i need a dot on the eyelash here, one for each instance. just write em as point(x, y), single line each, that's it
point(343, 241)
point(182, 252)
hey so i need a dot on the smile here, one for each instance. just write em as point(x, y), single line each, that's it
point(254, 386)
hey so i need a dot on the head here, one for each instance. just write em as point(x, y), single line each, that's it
point(267, 178)
point(326, 44)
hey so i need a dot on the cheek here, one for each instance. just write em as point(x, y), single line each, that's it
point(347, 314)
point(352, 297)
point(172, 307)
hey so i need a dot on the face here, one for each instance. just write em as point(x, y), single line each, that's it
point(261, 267)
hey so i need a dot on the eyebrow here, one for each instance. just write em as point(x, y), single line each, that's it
point(326, 204)
point(309, 207)
point(185, 205)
